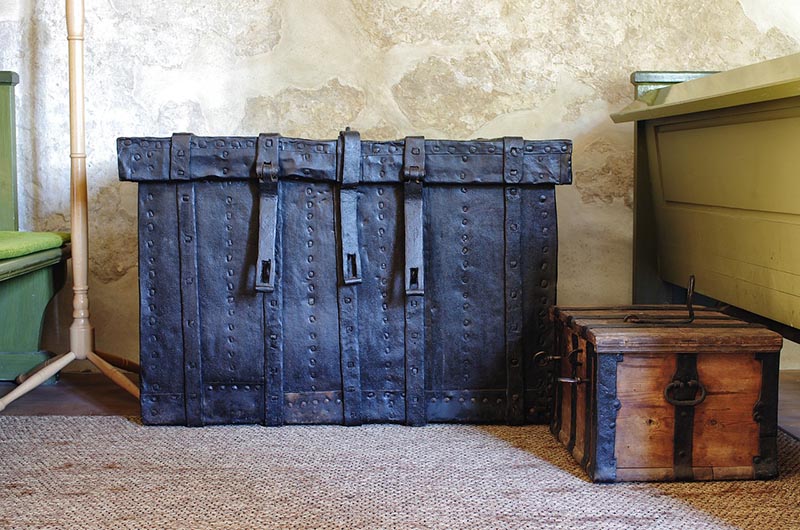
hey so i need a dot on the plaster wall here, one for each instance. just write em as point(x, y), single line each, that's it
point(388, 68)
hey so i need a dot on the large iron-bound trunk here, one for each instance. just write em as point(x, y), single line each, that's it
point(289, 281)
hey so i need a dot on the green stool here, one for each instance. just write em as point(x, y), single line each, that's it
point(32, 270)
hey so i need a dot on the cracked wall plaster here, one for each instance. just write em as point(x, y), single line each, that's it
point(294, 111)
point(388, 68)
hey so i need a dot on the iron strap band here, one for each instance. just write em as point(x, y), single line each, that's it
point(621, 316)
point(631, 325)
point(350, 361)
point(589, 391)
point(512, 171)
point(683, 436)
point(349, 148)
point(627, 308)
point(474, 162)
point(513, 151)
point(414, 276)
point(267, 170)
point(190, 304)
point(273, 339)
point(416, 411)
point(179, 157)
point(765, 413)
point(540, 271)
point(350, 266)
point(560, 349)
point(414, 171)
point(573, 394)
point(414, 158)
point(603, 467)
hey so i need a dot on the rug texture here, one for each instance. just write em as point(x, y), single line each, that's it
point(112, 472)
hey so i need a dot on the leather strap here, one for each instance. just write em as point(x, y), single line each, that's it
point(350, 176)
point(267, 170)
point(414, 173)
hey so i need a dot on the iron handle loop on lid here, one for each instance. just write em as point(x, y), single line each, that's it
point(636, 319)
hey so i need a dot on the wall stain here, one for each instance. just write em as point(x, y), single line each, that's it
point(327, 110)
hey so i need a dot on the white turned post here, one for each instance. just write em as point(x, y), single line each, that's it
point(81, 333)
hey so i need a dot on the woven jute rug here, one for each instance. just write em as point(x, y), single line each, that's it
point(112, 472)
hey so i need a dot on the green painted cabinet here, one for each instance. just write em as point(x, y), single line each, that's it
point(719, 158)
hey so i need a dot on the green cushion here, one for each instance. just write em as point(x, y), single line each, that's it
point(15, 244)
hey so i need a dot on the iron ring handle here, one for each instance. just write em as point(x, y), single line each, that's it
point(572, 380)
point(542, 358)
point(685, 402)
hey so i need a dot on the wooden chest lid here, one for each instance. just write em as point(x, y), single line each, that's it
point(665, 329)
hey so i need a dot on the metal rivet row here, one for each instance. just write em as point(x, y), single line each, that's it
point(466, 268)
point(229, 325)
point(313, 343)
point(152, 261)
point(383, 278)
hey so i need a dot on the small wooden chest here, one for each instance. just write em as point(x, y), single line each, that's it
point(646, 394)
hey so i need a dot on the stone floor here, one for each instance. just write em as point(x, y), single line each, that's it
point(789, 402)
point(92, 394)
point(75, 394)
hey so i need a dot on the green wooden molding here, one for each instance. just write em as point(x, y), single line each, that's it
point(8, 153)
point(8, 78)
point(11, 268)
point(647, 81)
point(756, 83)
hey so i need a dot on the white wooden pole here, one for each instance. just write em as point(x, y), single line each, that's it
point(81, 333)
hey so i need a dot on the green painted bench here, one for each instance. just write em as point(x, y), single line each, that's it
point(32, 264)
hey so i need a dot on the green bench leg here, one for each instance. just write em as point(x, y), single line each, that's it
point(23, 300)
point(13, 364)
